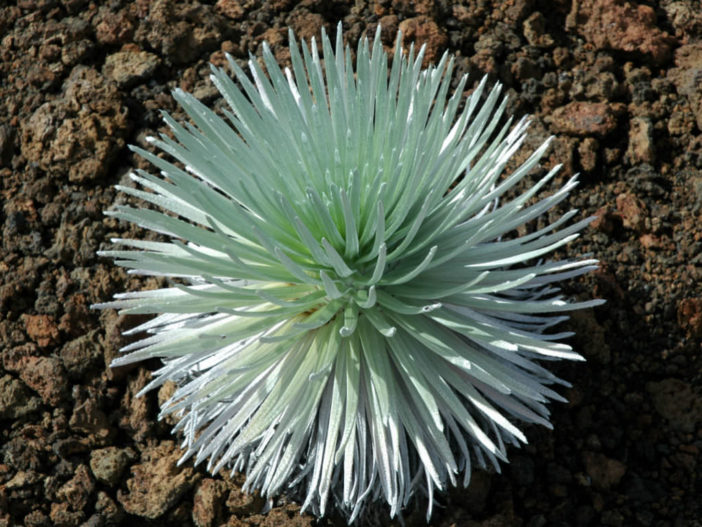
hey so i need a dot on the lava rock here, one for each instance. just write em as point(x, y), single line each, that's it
point(678, 402)
point(686, 76)
point(108, 464)
point(15, 400)
point(583, 119)
point(157, 482)
point(622, 26)
point(128, 68)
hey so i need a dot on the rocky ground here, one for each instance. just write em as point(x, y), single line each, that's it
point(620, 85)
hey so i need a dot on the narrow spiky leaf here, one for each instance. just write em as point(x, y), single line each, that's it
point(348, 320)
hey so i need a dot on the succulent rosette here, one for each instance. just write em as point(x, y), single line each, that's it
point(346, 319)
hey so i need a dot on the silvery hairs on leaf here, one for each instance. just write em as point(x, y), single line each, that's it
point(348, 323)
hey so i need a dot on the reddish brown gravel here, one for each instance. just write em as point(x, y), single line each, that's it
point(619, 83)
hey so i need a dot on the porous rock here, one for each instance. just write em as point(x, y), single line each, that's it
point(632, 210)
point(535, 31)
point(130, 67)
point(423, 30)
point(79, 133)
point(587, 151)
point(230, 8)
point(678, 402)
point(304, 24)
point(81, 354)
point(157, 483)
point(622, 26)
point(77, 490)
point(179, 31)
point(41, 329)
point(584, 118)
point(604, 471)
point(46, 376)
point(89, 419)
point(112, 28)
point(687, 76)
point(641, 148)
point(108, 510)
point(108, 464)
point(207, 502)
point(62, 516)
point(15, 400)
point(690, 316)
point(136, 409)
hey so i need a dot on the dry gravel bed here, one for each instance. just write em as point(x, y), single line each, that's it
point(618, 82)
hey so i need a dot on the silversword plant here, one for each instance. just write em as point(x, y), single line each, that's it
point(347, 320)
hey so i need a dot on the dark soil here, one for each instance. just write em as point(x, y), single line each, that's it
point(618, 83)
